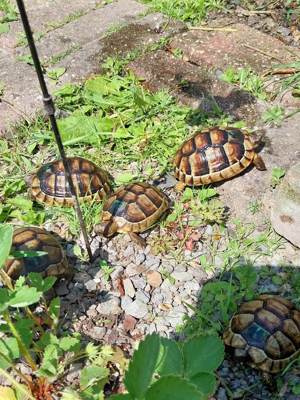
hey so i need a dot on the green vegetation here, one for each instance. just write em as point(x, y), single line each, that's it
point(274, 115)
point(277, 174)
point(7, 14)
point(247, 80)
point(193, 11)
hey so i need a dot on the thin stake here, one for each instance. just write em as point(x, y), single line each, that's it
point(50, 110)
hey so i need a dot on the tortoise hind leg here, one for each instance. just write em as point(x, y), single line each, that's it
point(259, 163)
point(137, 239)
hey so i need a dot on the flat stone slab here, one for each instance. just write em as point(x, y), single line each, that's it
point(244, 47)
point(197, 87)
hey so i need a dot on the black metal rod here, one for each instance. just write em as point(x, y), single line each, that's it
point(50, 110)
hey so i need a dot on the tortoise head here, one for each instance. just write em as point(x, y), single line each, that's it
point(106, 228)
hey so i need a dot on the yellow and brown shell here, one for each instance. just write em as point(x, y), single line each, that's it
point(266, 331)
point(50, 186)
point(214, 155)
point(133, 208)
point(54, 262)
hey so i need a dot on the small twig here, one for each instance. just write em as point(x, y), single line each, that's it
point(206, 28)
point(262, 52)
point(282, 71)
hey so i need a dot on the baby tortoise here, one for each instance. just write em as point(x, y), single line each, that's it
point(49, 185)
point(214, 155)
point(54, 262)
point(265, 332)
point(132, 208)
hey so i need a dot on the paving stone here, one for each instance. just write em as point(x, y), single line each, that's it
point(129, 323)
point(91, 285)
point(133, 269)
point(220, 50)
point(182, 276)
point(97, 332)
point(201, 89)
point(125, 301)
point(108, 306)
point(142, 296)
point(139, 282)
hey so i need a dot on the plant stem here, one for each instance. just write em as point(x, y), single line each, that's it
point(21, 345)
point(21, 375)
point(17, 385)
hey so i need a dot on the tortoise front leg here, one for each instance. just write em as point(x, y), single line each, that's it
point(259, 163)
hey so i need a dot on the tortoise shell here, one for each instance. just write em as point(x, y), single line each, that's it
point(133, 208)
point(53, 262)
point(266, 331)
point(214, 155)
point(50, 186)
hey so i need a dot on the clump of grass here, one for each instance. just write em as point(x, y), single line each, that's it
point(193, 11)
point(246, 79)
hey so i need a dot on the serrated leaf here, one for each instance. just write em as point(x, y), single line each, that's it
point(6, 234)
point(173, 388)
point(24, 327)
point(25, 296)
point(205, 382)
point(47, 339)
point(50, 361)
point(42, 285)
point(202, 354)
point(56, 73)
point(69, 343)
point(142, 366)
point(91, 375)
point(170, 359)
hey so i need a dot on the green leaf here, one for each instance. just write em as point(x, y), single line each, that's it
point(24, 327)
point(21, 202)
point(50, 362)
point(69, 343)
point(142, 366)
point(6, 393)
point(173, 388)
point(205, 382)
point(25, 296)
point(9, 348)
point(4, 27)
point(6, 234)
point(170, 359)
point(124, 178)
point(54, 310)
point(202, 354)
point(91, 375)
point(42, 285)
point(47, 339)
point(26, 58)
point(4, 299)
point(125, 396)
point(56, 73)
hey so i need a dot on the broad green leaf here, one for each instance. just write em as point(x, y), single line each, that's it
point(50, 361)
point(47, 339)
point(42, 285)
point(205, 382)
point(9, 348)
point(6, 393)
point(142, 366)
point(21, 202)
point(69, 343)
point(4, 299)
point(91, 375)
point(67, 90)
point(70, 394)
point(170, 359)
point(24, 327)
point(125, 396)
point(173, 388)
point(126, 177)
point(25, 296)
point(6, 233)
point(202, 354)
point(54, 310)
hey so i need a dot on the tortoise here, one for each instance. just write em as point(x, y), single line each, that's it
point(133, 208)
point(49, 185)
point(54, 262)
point(266, 332)
point(213, 155)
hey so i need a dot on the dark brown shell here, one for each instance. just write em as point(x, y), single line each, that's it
point(267, 331)
point(35, 239)
point(50, 186)
point(133, 208)
point(213, 155)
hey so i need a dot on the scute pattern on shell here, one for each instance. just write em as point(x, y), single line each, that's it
point(267, 330)
point(50, 185)
point(135, 207)
point(36, 239)
point(213, 155)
